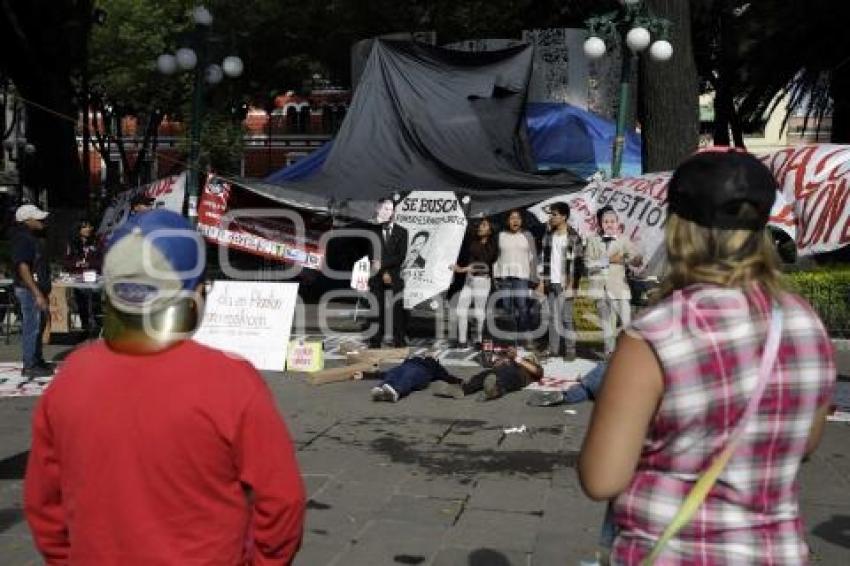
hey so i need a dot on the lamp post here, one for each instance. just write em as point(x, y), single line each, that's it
point(19, 150)
point(196, 59)
point(635, 27)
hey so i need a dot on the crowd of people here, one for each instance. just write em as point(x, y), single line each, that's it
point(726, 375)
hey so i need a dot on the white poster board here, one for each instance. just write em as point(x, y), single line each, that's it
point(360, 274)
point(436, 224)
point(252, 319)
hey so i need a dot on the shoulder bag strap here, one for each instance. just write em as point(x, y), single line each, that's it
point(706, 481)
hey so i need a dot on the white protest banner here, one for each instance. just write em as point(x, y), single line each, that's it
point(360, 274)
point(641, 204)
point(815, 181)
point(436, 224)
point(167, 193)
point(251, 319)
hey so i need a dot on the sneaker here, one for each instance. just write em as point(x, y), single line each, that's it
point(545, 398)
point(450, 390)
point(491, 388)
point(378, 394)
point(390, 394)
point(45, 365)
point(35, 372)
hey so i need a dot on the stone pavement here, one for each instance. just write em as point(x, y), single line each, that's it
point(437, 481)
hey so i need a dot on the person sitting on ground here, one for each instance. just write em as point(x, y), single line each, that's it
point(511, 372)
point(413, 374)
point(584, 390)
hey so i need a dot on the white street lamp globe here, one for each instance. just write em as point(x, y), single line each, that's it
point(594, 47)
point(232, 66)
point(186, 58)
point(214, 74)
point(661, 50)
point(630, 2)
point(638, 39)
point(202, 16)
point(166, 64)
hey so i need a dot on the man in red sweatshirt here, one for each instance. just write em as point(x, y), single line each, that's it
point(150, 449)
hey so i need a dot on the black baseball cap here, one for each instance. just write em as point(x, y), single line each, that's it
point(710, 187)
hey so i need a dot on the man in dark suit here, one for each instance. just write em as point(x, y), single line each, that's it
point(386, 284)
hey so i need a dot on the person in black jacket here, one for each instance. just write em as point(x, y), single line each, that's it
point(386, 283)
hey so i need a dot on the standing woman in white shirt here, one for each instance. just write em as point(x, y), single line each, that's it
point(517, 268)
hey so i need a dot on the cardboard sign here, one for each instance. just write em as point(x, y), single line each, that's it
point(250, 319)
point(436, 224)
point(305, 356)
point(59, 314)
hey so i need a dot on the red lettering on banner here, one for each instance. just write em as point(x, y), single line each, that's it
point(795, 166)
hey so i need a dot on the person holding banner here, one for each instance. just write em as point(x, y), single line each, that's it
point(517, 268)
point(560, 252)
point(386, 283)
point(717, 393)
point(480, 255)
point(607, 254)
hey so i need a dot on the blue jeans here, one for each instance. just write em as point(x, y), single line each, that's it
point(33, 322)
point(592, 380)
point(518, 302)
point(409, 376)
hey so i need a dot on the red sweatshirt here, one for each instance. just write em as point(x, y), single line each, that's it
point(147, 460)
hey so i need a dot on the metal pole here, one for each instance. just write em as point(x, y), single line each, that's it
point(622, 111)
point(195, 140)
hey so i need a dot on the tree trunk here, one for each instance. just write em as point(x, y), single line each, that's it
point(840, 90)
point(669, 94)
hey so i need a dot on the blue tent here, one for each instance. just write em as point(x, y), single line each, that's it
point(561, 137)
point(566, 137)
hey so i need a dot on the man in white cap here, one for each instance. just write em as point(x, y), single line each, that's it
point(32, 286)
point(150, 448)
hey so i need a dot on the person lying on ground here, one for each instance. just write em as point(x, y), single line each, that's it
point(584, 390)
point(414, 374)
point(511, 372)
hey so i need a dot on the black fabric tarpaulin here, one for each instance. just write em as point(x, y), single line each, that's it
point(427, 118)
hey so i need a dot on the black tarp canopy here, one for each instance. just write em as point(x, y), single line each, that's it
point(427, 118)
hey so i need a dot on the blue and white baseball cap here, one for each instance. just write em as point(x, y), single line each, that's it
point(152, 261)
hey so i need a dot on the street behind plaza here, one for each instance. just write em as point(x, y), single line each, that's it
point(436, 481)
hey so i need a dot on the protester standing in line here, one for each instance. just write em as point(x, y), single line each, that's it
point(725, 353)
point(32, 282)
point(607, 254)
point(478, 259)
point(560, 252)
point(517, 269)
point(150, 448)
point(83, 254)
point(386, 283)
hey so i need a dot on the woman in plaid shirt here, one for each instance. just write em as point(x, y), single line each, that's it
point(684, 372)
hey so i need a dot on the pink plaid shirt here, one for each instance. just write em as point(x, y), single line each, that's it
point(709, 341)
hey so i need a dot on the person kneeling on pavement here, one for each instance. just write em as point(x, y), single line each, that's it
point(414, 374)
point(511, 372)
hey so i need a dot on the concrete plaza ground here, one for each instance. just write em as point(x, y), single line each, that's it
point(438, 482)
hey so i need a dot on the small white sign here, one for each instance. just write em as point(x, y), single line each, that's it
point(360, 275)
point(250, 319)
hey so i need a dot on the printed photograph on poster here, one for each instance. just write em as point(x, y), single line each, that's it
point(436, 224)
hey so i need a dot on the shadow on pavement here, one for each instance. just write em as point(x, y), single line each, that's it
point(487, 557)
point(10, 517)
point(13, 467)
point(835, 531)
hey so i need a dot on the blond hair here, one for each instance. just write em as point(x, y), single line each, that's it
point(728, 258)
